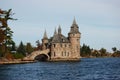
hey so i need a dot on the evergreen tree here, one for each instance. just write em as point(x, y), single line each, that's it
point(21, 49)
point(13, 48)
point(5, 31)
point(85, 51)
point(29, 48)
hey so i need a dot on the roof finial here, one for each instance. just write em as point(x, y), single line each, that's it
point(45, 35)
point(74, 21)
point(55, 32)
point(59, 30)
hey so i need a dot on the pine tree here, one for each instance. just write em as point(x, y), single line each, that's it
point(29, 48)
point(5, 31)
point(21, 49)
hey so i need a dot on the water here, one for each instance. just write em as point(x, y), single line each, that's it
point(87, 69)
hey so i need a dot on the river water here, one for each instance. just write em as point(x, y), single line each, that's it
point(86, 69)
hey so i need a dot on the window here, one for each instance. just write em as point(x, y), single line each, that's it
point(54, 45)
point(62, 53)
point(69, 45)
point(68, 54)
point(77, 40)
point(54, 54)
point(61, 45)
point(65, 45)
point(63, 40)
point(73, 34)
point(65, 53)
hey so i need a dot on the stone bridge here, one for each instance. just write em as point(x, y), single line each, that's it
point(34, 54)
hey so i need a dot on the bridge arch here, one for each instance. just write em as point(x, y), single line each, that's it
point(41, 57)
point(36, 54)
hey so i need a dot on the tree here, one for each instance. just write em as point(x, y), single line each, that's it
point(21, 49)
point(2, 36)
point(116, 53)
point(5, 31)
point(85, 51)
point(13, 48)
point(95, 53)
point(29, 48)
point(114, 49)
point(103, 51)
point(39, 46)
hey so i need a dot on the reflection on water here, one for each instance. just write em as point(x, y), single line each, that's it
point(87, 69)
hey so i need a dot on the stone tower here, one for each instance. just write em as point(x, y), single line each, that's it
point(74, 38)
point(44, 41)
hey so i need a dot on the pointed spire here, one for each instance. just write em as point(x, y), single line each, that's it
point(45, 35)
point(59, 30)
point(55, 32)
point(74, 21)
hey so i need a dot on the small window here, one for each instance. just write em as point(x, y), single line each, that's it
point(54, 54)
point(65, 53)
point(65, 45)
point(62, 53)
point(77, 47)
point(69, 45)
point(68, 54)
point(61, 45)
point(63, 40)
point(54, 45)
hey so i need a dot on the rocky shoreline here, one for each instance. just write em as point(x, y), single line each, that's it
point(14, 61)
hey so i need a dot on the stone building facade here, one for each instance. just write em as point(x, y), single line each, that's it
point(61, 47)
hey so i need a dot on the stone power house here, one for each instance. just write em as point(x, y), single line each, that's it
point(61, 47)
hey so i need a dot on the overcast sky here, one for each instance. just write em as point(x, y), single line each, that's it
point(98, 20)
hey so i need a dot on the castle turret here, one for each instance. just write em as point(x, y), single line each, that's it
point(74, 37)
point(45, 41)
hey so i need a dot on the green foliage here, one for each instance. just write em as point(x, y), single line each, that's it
point(2, 50)
point(21, 49)
point(116, 53)
point(114, 49)
point(5, 31)
point(103, 52)
point(18, 55)
point(95, 53)
point(13, 48)
point(29, 48)
point(85, 51)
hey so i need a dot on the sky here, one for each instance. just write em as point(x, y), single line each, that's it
point(98, 20)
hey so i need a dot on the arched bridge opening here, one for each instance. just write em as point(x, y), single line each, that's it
point(42, 57)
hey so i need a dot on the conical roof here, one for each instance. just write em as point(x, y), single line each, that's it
point(74, 21)
point(74, 27)
point(45, 35)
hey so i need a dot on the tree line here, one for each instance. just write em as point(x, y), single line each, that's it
point(86, 51)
